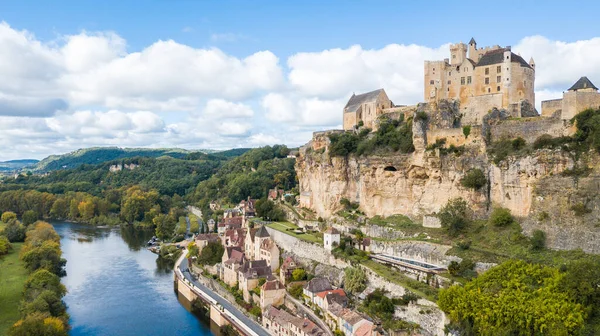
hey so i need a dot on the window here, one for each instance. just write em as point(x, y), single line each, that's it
point(497, 88)
point(449, 82)
point(431, 82)
point(468, 79)
point(489, 90)
point(498, 69)
point(462, 80)
point(498, 79)
point(487, 80)
point(487, 71)
point(449, 73)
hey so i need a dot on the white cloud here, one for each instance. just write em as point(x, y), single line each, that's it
point(220, 108)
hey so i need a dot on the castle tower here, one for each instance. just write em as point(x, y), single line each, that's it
point(472, 48)
point(531, 63)
point(458, 53)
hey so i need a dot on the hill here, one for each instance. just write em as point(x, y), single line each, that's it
point(97, 155)
point(13, 165)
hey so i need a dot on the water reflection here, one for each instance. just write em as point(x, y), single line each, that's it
point(117, 287)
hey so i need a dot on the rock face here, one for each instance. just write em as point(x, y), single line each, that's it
point(421, 183)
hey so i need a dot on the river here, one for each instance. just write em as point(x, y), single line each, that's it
point(117, 287)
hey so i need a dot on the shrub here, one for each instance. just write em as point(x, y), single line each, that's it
point(538, 240)
point(588, 128)
point(464, 268)
point(422, 116)
point(463, 244)
point(295, 290)
point(454, 216)
point(466, 131)
point(501, 217)
point(518, 143)
point(542, 216)
point(580, 209)
point(360, 123)
point(364, 132)
point(474, 179)
point(354, 279)
point(343, 144)
point(5, 245)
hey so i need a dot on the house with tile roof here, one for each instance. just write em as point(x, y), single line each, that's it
point(272, 293)
point(249, 275)
point(281, 323)
point(204, 238)
point(314, 286)
point(269, 251)
point(325, 298)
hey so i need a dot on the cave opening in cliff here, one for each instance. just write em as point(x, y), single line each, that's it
point(390, 168)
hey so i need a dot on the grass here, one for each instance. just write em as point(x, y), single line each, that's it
point(12, 279)
point(394, 276)
point(308, 237)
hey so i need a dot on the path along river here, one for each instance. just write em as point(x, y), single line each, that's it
point(117, 287)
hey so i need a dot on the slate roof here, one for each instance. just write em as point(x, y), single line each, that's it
point(583, 83)
point(317, 285)
point(262, 232)
point(472, 41)
point(236, 257)
point(256, 269)
point(357, 100)
point(497, 56)
point(331, 230)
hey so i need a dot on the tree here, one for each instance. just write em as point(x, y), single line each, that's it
point(501, 217)
point(211, 253)
point(355, 279)
point(86, 209)
point(296, 291)
point(514, 298)
point(582, 283)
point(474, 179)
point(266, 209)
point(38, 324)
point(46, 256)
point(5, 245)
point(454, 216)
point(298, 274)
point(73, 209)
point(165, 226)
point(59, 209)
point(538, 240)
point(29, 217)
point(15, 231)
point(8, 216)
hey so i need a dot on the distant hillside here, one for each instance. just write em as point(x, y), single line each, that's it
point(98, 155)
point(16, 164)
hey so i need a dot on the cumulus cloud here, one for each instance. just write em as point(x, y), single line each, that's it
point(88, 89)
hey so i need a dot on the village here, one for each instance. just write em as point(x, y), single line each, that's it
point(270, 283)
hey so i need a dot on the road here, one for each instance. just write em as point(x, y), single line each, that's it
point(257, 328)
point(308, 311)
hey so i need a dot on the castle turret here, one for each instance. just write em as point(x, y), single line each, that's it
point(472, 48)
point(531, 63)
point(458, 53)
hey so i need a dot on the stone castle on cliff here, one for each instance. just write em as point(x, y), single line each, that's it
point(478, 80)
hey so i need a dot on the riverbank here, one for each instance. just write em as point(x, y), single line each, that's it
point(12, 279)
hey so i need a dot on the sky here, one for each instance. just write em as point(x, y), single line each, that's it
point(227, 74)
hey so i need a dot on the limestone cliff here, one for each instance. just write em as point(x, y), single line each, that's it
point(532, 186)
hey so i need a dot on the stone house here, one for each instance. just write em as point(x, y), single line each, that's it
point(331, 237)
point(348, 321)
point(233, 258)
point(314, 286)
point(214, 206)
point(326, 298)
point(365, 108)
point(286, 269)
point(203, 239)
point(581, 96)
point(272, 293)
point(230, 223)
point(281, 323)
point(254, 239)
point(249, 275)
point(234, 237)
point(482, 79)
point(269, 251)
point(248, 207)
point(228, 213)
point(275, 194)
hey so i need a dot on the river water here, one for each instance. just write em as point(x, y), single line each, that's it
point(117, 287)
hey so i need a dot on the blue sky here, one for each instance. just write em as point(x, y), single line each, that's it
point(96, 73)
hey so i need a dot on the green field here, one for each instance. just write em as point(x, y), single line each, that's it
point(12, 279)
point(308, 237)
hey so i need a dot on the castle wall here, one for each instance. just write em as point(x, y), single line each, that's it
point(479, 106)
point(530, 128)
point(349, 120)
point(577, 101)
point(455, 136)
point(551, 106)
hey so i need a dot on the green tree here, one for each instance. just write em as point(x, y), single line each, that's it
point(5, 245)
point(29, 217)
point(211, 253)
point(15, 231)
point(59, 209)
point(514, 298)
point(455, 216)
point(582, 283)
point(8, 216)
point(73, 209)
point(538, 240)
point(298, 274)
point(355, 279)
point(86, 209)
point(165, 226)
point(501, 217)
point(474, 179)
point(46, 256)
point(296, 291)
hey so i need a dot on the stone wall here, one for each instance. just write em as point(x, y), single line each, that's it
point(456, 137)
point(478, 106)
point(415, 250)
point(530, 128)
point(431, 319)
point(551, 106)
